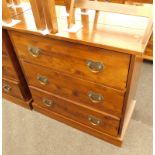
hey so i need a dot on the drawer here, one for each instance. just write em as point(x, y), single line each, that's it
point(101, 122)
point(12, 88)
point(85, 92)
point(4, 47)
point(90, 63)
point(8, 69)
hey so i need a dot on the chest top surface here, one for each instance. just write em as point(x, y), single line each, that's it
point(118, 32)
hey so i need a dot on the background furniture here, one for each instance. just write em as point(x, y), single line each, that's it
point(15, 86)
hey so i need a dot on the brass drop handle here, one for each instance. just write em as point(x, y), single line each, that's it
point(42, 79)
point(95, 67)
point(94, 121)
point(34, 51)
point(95, 97)
point(47, 102)
point(107, 0)
point(7, 88)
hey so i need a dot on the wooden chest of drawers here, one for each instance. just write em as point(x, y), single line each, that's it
point(77, 84)
point(14, 84)
point(85, 79)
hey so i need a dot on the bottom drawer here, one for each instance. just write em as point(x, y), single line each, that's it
point(12, 88)
point(102, 122)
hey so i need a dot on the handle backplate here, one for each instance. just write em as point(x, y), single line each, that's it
point(94, 121)
point(47, 102)
point(95, 97)
point(34, 51)
point(7, 88)
point(95, 67)
point(42, 79)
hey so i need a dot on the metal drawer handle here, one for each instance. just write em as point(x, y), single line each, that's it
point(42, 79)
point(95, 97)
point(107, 0)
point(94, 121)
point(95, 67)
point(34, 51)
point(7, 88)
point(47, 102)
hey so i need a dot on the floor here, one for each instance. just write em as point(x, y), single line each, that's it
point(30, 133)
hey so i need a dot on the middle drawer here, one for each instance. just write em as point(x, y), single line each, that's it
point(87, 93)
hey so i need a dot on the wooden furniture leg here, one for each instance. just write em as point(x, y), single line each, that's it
point(38, 14)
point(6, 16)
point(50, 15)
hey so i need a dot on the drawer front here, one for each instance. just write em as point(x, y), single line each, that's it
point(8, 69)
point(86, 62)
point(84, 92)
point(101, 122)
point(12, 88)
point(4, 47)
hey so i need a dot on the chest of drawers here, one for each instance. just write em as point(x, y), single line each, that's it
point(83, 86)
point(14, 84)
point(85, 79)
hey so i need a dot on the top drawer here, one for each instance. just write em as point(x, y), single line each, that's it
point(90, 63)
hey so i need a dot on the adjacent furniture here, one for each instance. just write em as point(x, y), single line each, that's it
point(14, 85)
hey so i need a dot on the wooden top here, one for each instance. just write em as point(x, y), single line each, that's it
point(118, 32)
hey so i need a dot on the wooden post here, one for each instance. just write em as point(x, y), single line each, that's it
point(9, 1)
point(16, 2)
point(38, 14)
point(50, 15)
point(6, 16)
point(71, 18)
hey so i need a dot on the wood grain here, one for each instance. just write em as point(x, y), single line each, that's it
point(16, 2)
point(38, 14)
point(15, 88)
point(6, 16)
point(8, 69)
point(111, 139)
point(50, 15)
point(9, 1)
point(148, 55)
point(133, 77)
point(75, 89)
point(71, 58)
point(118, 38)
point(15, 64)
point(76, 112)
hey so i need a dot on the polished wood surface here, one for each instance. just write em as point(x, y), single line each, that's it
point(17, 2)
point(9, 1)
point(15, 88)
point(90, 130)
point(61, 56)
point(50, 15)
point(14, 83)
point(62, 83)
point(38, 14)
point(122, 37)
point(8, 69)
point(74, 89)
point(6, 16)
point(148, 55)
point(76, 112)
point(135, 68)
